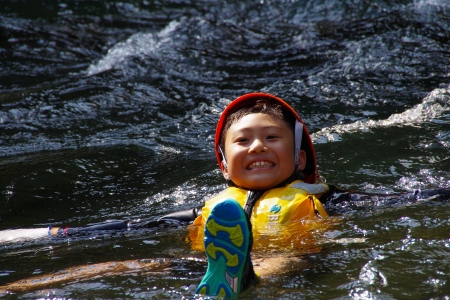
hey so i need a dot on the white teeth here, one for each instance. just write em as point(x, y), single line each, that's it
point(260, 164)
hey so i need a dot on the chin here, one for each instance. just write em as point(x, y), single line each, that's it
point(262, 186)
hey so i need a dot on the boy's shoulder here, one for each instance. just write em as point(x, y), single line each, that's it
point(311, 188)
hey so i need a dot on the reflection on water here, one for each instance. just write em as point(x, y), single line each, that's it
point(108, 109)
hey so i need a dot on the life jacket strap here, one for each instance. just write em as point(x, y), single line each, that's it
point(252, 197)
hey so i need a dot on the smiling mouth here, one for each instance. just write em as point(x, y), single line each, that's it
point(259, 165)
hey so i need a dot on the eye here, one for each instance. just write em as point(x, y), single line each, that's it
point(271, 137)
point(242, 140)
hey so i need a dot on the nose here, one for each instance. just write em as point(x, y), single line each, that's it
point(257, 146)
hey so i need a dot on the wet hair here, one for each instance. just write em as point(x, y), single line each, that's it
point(267, 107)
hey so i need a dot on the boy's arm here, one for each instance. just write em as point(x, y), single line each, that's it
point(183, 216)
point(336, 195)
point(439, 194)
point(175, 218)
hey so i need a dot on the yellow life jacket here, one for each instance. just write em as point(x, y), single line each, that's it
point(280, 218)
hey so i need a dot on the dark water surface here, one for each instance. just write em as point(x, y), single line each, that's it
point(108, 110)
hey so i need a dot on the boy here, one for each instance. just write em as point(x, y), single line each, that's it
point(267, 157)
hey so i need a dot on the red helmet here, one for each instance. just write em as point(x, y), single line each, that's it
point(302, 136)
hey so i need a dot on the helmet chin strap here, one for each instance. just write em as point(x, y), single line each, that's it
point(298, 135)
point(224, 161)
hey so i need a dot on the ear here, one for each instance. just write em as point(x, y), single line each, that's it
point(302, 160)
point(223, 167)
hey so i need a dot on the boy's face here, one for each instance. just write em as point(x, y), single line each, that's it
point(259, 151)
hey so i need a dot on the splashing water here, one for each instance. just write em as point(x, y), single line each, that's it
point(436, 104)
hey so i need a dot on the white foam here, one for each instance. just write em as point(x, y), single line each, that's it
point(421, 4)
point(432, 107)
point(139, 44)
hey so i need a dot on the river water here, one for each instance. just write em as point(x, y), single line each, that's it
point(108, 110)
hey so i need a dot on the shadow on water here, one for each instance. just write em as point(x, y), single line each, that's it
point(108, 110)
point(92, 185)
